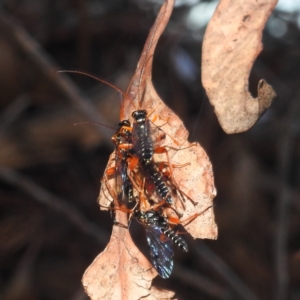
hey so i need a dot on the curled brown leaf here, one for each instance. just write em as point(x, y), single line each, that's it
point(231, 44)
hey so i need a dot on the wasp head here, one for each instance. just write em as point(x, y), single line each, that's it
point(140, 115)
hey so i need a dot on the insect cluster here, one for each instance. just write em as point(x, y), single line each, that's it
point(156, 177)
point(146, 189)
point(140, 179)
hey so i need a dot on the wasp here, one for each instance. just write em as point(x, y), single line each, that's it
point(122, 140)
point(123, 191)
point(141, 136)
point(143, 147)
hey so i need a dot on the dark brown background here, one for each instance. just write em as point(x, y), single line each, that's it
point(51, 227)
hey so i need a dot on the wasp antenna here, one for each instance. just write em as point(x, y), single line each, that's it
point(127, 94)
point(96, 78)
point(94, 123)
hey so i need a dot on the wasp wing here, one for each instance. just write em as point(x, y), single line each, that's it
point(123, 183)
point(142, 140)
point(161, 251)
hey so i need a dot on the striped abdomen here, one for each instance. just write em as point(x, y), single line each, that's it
point(156, 178)
point(178, 240)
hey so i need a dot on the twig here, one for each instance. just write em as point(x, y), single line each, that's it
point(41, 195)
point(21, 281)
point(40, 59)
point(13, 110)
point(222, 268)
point(284, 152)
point(269, 182)
point(84, 37)
point(201, 283)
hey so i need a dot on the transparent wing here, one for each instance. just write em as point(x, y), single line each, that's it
point(142, 140)
point(161, 251)
point(123, 184)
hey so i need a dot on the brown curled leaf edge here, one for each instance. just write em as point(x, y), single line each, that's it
point(121, 271)
point(232, 42)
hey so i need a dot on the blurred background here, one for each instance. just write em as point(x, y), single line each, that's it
point(51, 227)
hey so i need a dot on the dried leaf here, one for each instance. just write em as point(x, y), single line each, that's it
point(159, 294)
point(231, 44)
point(197, 181)
point(105, 199)
point(121, 271)
point(128, 266)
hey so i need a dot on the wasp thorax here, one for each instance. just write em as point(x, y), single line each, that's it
point(140, 115)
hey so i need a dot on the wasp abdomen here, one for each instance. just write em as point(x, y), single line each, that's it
point(179, 241)
point(160, 186)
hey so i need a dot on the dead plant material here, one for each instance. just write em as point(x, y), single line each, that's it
point(231, 44)
point(121, 271)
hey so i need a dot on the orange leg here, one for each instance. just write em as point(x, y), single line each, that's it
point(194, 216)
point(110, 171)
point(125, 146)
point(174, 220)
point(132, 162)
